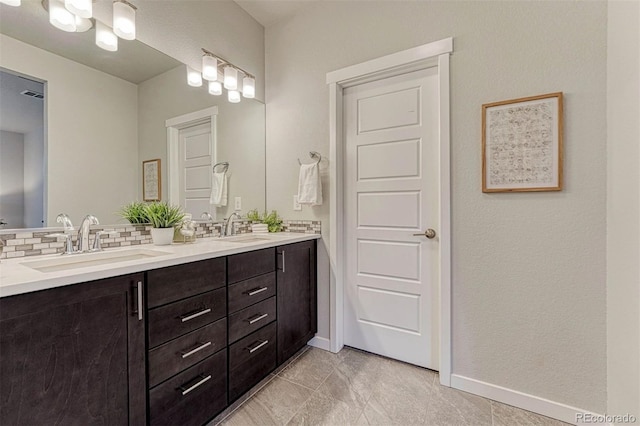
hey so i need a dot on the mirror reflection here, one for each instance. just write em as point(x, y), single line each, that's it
point(100, 127)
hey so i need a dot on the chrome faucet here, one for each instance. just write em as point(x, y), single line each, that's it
point(83, 232)
point(63, 218)
point(206, 216)
point(228, 226)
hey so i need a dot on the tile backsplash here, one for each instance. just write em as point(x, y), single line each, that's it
point(36, 243)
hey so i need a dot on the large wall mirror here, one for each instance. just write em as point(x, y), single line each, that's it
point(104, 113)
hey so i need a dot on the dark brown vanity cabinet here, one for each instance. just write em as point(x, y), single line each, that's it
point(74, 355)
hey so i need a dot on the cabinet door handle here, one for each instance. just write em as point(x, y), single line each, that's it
point(258, 346)
point(257, 290)
point(257, 318)
point(201, 380)
point(192, 315)
point(140, 301)
point(198, 348)
point(283, 260)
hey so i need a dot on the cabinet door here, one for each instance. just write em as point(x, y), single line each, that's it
point(296, 293)
point(73, 355)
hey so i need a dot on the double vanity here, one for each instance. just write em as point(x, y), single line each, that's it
point(165, 335)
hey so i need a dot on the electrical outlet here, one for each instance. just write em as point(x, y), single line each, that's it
point(238, 203)
point(296, 204)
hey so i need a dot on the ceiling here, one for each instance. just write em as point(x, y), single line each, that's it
point(268, 12)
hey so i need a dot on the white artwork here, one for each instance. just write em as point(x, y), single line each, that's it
point(151, 180)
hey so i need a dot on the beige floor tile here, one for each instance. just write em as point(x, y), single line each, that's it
point(280, 400)
point(324, 410)
point(451, 407)
point(252, 412)
point(506, 415)
point(311, 368)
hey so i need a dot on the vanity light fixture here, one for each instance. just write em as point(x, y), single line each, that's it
point(209, 67)
point(14, 3)
point(230, 78)
point(249, 87)
point(124, 19)
point(60, 17)
point(233, 96)
point(83, 24)
point(105, 38)
point(194, 78)
point(211, 64)
point(215, 88)
point(81, 8)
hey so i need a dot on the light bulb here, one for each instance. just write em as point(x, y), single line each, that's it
point(124, 20)
point(105, 38)
point(209, 68)
point(81, 8)
point(230, 78)
point(14, 3)
point(194, 78)
point(83, 24)
point(234, 96)
point(60, 17)
point(249, 87)
point(215, 88)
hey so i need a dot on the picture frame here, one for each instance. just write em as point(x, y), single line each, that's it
point(522, 144)
point(151, 180)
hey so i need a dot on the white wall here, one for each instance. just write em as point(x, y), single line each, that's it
point(528, 269)
point(623, 208)
point(12, 179)
point(92, 138)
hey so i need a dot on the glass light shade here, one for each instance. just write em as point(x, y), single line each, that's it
point(230, 78)
point(105, 38)
point(249, 87)
point(215, 88)
point(60, 17)
point(81, 8)
point(194, 78)
point(83, 24)
point(14, 3)
point(209, 68)
point(234, 96)
point(124, 20)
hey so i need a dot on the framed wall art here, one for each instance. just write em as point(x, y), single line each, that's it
point(151, 182)
point(522, 144)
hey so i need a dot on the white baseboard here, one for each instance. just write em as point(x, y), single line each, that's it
point(518, 399)
point(320, 343)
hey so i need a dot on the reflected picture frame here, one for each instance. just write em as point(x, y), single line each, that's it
point(151, 180)
point(522, 144)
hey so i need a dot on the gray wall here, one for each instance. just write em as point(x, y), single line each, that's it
point(12, 179)
point(528, 269)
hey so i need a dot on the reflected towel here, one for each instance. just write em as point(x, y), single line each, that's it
point(219, 189)
point(309, 185)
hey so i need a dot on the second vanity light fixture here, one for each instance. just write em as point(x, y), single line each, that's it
point(228, 77)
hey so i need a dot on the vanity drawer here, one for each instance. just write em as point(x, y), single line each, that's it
point(178, 354)
point(176, 319)
point(173, 283)
point(254, 290)
point(247, 368)
point(252, 318)
point(193, 396)
point(247, 265)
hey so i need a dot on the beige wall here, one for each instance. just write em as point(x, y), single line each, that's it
point(528, 269)
point(623, 208)
point(92, 133)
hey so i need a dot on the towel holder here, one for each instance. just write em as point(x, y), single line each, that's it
point(313, 154)
point(224, 164)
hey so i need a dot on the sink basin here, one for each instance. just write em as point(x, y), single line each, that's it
point(75, 261)
point(246, 239)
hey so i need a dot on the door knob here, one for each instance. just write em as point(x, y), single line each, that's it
point(429, 233)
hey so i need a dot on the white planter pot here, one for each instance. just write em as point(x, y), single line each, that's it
point(162, 236)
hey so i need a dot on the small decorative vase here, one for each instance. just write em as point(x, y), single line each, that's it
point(162, 236)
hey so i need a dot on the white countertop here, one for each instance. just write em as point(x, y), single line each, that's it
point(16, 277)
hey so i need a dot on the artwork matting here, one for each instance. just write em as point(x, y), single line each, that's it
point(151, 180)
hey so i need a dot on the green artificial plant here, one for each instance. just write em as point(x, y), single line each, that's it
point(161, 214)
point(272, 220)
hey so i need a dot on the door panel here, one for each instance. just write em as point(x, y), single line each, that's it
point(392, 181)
point(195, 168)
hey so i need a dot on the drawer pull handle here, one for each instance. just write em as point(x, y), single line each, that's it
point(200, 382)
point(194, 350)
point(255, 348)
point(257, 290)
point(257, 318)
point(192, 315)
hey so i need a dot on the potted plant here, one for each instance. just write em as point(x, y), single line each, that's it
point(135, 213)
point(272, 220)
point(163, 217)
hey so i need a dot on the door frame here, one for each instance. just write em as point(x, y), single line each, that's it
point(174, 125)
point(435, 54)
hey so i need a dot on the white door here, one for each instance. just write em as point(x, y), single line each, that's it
point(392, 181)
point(195, 156)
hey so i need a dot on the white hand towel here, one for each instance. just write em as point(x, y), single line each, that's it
point(218, 189)
point(309, 185)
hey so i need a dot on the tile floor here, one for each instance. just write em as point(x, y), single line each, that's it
point(357, 388)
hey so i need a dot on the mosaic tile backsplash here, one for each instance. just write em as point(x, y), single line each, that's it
point(36, 243)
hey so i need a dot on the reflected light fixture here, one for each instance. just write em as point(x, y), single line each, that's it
point(124, 20)
point(249, 87)
point(81, 8)
point(194, 78)
point(83, 24)
point(230, 78)
point(215, 88)
point(14, 3)
point(233, 96)
point(105, 38)
point(60, 17)
point(209, 67)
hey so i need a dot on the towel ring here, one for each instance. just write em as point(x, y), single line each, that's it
point(313, 154)
point(224, 164)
